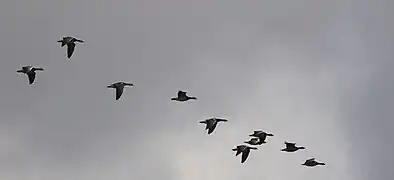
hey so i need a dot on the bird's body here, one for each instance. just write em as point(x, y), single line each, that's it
point(119, 86)
point(245, 150)
point(212, 123)
point(30, 71)
point(182, 96)
point(261, 135)
point(312, 162)
point(291, 147)
point(255, 141)
point(70, 42)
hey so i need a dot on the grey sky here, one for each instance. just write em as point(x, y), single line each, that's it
point(317, 73)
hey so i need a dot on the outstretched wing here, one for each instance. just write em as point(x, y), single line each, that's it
point(238, 152)
point(212, 127)
point(119, 92)
point(245, 155)
point(31, 75)
point(70, 49)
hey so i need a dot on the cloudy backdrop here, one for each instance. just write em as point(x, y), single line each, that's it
point(318, 73)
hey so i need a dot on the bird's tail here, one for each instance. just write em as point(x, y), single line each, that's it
point(321, 164)
point(269, 134)
point(20, 71)
point(193, 98)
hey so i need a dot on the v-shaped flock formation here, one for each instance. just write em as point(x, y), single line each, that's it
point(258, 137)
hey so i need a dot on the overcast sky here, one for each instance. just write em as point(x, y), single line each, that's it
point(318, 73)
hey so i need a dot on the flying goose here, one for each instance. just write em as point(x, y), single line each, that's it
point(255, 141)
point(211, 123)
point(245, 150)
point(312, 162)
point(261, 135)
point(30, 71)
point(291, 147)
point(119, 86)
point(70, 42)
point(182, 97)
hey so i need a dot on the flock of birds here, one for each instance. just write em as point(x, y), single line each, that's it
point(258, 136)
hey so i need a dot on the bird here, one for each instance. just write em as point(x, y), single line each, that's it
point(245, 150)
point(291, 147)
point(312, 162)
point(182, 97)
point(261, 135)
point(30, 71)
point(119, 86)
point(255, 141)
point(70, 42)
point(211, 123)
